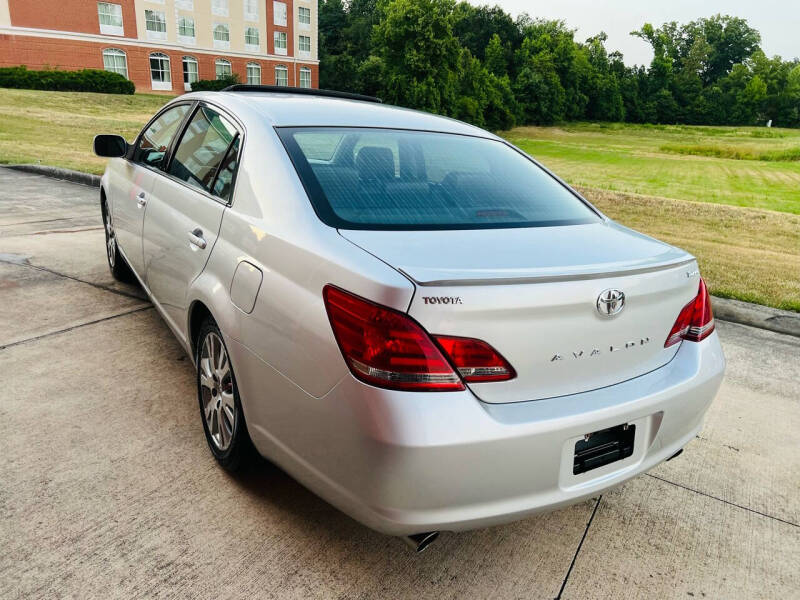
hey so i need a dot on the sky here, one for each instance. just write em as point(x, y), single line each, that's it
point(778, 21)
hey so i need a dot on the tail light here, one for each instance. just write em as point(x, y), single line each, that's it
point(695, 322)
point(385, 347)
point(475, 360)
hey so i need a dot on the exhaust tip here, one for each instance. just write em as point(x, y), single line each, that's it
point(418, 542)
point(676, 455)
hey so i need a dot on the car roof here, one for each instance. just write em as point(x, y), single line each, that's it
point(303, 110)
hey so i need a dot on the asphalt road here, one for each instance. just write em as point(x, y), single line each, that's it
point(107, 488)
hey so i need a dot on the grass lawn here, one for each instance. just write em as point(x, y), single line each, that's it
point(729, 195)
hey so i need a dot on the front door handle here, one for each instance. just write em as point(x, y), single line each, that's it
point(196, 238)
point(141, 199)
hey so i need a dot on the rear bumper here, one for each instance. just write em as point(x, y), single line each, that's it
point(405, 463)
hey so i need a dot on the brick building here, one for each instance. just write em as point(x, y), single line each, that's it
point(164, 45)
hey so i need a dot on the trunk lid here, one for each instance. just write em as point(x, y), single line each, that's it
point(532, 293)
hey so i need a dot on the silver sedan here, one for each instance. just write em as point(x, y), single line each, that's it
point(411, 316)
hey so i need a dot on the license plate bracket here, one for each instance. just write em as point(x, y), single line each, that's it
point(603, 447)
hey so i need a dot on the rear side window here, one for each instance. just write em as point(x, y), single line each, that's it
point(202, 148)
point(156, 139)
point(360, 178)
point(224, 182)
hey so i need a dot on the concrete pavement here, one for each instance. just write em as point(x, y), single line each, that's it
point(107, 488)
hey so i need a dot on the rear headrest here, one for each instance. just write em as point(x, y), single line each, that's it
point(375, 163)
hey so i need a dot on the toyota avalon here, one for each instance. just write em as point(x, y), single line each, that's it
point(412, 317)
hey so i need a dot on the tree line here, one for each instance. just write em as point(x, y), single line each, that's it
point(478, 64)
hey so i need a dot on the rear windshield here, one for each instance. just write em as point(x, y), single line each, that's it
point(360, 178)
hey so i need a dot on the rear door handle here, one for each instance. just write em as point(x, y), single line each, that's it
point(196, 238)
point(141, 199)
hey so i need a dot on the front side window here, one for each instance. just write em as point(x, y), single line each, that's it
point(305, 77)
point(159, 71)
point(304, 15)
point(251, 36)
point(281, 75)
point(305, 44)
point(186, 27)
point(190, 72)
point(110, 16)
point(155, 140)
point(280, 42)
point(253, 74)
point(202, 148)
point(114, 60)
point(395, 179)
point(223, 68)
point(279, 11)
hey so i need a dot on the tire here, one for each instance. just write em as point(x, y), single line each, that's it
point(116, 263)
point(220, 406)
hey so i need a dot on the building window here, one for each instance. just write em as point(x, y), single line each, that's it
point(305, 77)
point(190, 72)
point(280, 42)
point(223, 68)
point(251, 10)
point(304, 16)
point(253, 74)
point(251, 40)
point(281, 75)
point(114, 60)
point(186, 33)
point(222, 36)
point(219, 8)
point(305, 44)
point(156, 24)
point(279, 8)
point(110, 16)
point(184, 4)
point(159, 71)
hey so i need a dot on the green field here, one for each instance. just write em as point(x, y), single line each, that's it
point(740, 166)
point(729, 195)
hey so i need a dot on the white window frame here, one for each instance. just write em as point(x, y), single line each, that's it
point(222, 62)
point(221, 44)
point(300, 23)
point(255, 67)
point(300, 51)
point(285, 72)
point(184, 4)
point(116, 53)
point(279, 16)
point(249, 45)
point(187, 85)
point(305, 73)
point(251, 10)
point(280, 36)
point(182, 37)
point(219, 8)
point(159, 18)
point(113, 13)
point(165, 83)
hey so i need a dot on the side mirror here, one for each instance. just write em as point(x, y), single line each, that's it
point(111, 146)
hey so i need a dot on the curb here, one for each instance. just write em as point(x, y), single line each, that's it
point(59, 173)
point(725, 309)
point(755, 315)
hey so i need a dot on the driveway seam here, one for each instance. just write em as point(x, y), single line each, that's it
point(95, 285)
point(578, 549)
point(78, 326)
point(752, 510)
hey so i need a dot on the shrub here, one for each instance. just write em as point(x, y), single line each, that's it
point(215, 85)
point(85, 80)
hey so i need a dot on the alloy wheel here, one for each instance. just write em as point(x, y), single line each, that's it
point(111, 240)
point(216, 389)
